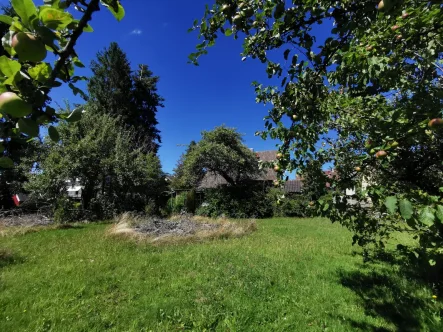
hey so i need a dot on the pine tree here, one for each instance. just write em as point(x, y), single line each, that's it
point(179, 179)
point(147, 101)
point(116, 90)
point(110, 89)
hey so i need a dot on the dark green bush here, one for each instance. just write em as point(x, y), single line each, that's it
point(247, 201)
point(295, 205)
point(177, 204)
point(190, 201)
point(67, 210)
point(151, 208)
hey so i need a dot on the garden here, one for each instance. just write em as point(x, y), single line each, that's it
point(336, 225)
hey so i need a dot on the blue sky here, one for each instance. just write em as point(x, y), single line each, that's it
point(217, 92)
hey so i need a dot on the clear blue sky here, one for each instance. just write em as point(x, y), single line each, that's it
point(217, 92)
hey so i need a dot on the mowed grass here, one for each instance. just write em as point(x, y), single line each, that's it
point(290, 275)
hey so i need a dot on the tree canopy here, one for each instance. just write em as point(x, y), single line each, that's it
point(367, 98)
point(26, 79)
point(100, 154)
point(118, 91)
point(220, 152)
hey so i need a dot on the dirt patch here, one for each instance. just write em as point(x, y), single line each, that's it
point(25, 220)
point(179, 229)
point(15, 222)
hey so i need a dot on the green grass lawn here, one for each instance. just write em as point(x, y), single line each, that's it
point(290, 275)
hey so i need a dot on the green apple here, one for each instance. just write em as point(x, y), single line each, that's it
point(28, 47)
point(13, 105)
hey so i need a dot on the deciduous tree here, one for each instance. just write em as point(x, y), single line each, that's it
point(220, 152)
point(364, 95)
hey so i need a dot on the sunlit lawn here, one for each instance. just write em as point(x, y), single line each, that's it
point(290, 275)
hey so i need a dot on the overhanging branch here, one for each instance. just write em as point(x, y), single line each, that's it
point(69, 48)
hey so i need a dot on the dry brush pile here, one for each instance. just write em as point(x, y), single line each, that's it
point(179, 229)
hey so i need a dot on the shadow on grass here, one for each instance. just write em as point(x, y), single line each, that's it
point(401, 298)
point(8, 258)
point(69, 226)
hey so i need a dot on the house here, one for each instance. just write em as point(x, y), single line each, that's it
point(74, 188)
point(211, 180)
point(293, 186)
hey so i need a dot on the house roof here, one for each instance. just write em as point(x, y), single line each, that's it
point(270, 174)
point(293, 186)
point(211, 180)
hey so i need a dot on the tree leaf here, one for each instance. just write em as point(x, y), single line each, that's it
point(9, 68)
point(76, 61)
point(406, 210)
point(427, 216)
point(53, 134)
point(439, 213)
point(27, 12)
point(48, 36)
point(28, 126)
point(88, 28)
point(286, 54)
point(6, 162)
point(228, 32)
point(40, 72)
point(75, 116)
point(6, 19)
point(391, 204)
point(115, 8)
point(55, 18)
point(77, 91)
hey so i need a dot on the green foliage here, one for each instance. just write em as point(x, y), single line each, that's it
point(67, 210)
point(179, 180)
point(220, 152)
point(20, 160)
point(151, 207)
point(190, 201)
point(116, 177)
point(178, 203)
point(246, 201)
point(366, 94)
point(287, 206)
point(27, 32)
point(117, 91)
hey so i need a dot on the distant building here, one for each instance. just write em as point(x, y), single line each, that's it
point(268, 177)
point(74, 188)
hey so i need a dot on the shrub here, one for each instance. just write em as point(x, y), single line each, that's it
point(151, 208)
point(246, 201)
point(289, 206)
point(177, 204)
point(190, 201)
point(67, 210)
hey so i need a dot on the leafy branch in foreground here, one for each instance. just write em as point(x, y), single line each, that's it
point(26, 79)
point(367, 98)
